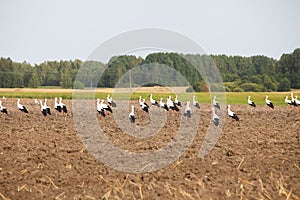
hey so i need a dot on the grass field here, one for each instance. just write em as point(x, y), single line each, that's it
point(203, 97)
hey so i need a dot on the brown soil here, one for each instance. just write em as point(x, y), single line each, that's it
point(255, 158)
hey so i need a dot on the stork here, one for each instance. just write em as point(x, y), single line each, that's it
point(293, 100)
point(251, 103)
point(43, 108)
point(187, 111)
point(100, 108)
point(62, 105)
point(47, 107)
point(145, 105)
point(36, 102)
point(215, 103)
point(163, 105)
point(140, 101)
point(297, 102)
point(2, 108)
point(288, 102)
point(176, 101)
point(232, 114)
point(215, 118)
point(171, 104)
point(153, 102)
point(105, 106)
point(110, 101)
point(269, 103)
point(21, 107)
point(57, 107)
point(131, 115)
point(195, 102)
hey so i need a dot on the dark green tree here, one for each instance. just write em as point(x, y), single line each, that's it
point(284, 85)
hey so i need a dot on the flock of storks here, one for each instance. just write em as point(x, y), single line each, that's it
point(45, 109)
point(169, 105)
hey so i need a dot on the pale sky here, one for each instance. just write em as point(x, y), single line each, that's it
point(39, 30)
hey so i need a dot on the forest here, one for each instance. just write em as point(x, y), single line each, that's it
point(254, 73)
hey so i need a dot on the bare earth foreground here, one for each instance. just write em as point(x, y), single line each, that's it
point(255, 158)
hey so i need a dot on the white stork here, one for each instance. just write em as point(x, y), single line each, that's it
point(62, 105)
point(2, 108)
point(269, 103)
point(100, 108)
point(110, 101)
point(250, 102)
point(21, 107)
point(187, 111)
point(287, 101)
point(153, 102)
point(195, 102)
point(215, 118)
point(297, 102)
point(56, 105)
point(215, 103)
point(163, 105)
point(171, 104)
point(47, 107)
point(232, 114)
point(176, 101)
point(43, 108)
point(293, 100)
point(105, 106)
point(36, 102)
point(131, 115)
point(140, 100)
point(145, 106)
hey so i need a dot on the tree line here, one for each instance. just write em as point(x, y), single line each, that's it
point(254, 73)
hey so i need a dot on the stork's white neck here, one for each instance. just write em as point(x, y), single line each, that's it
point(213, 111)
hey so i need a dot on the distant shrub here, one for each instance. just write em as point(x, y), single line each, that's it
point(217, 87)
point(227, 89)
point(78, 85)
point(251, 87)
point(200, 87)
point(256, 79)
point(237, 90)
point(190, 89)
point(229, 77)
point(230, 85)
